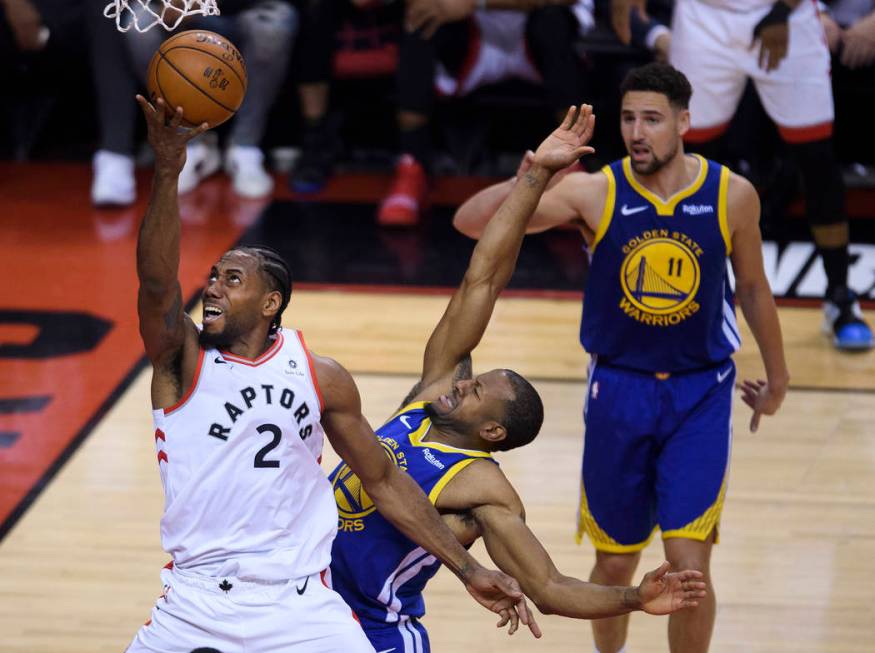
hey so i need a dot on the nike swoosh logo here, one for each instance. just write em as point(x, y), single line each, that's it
point(220, 361)
point(301, 590)
point(387, 650)
point(722, 375)
point(404, 420)
point(625, 210)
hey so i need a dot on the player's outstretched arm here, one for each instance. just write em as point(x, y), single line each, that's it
point(159, 301)
point(498, 513)
point(400, 500)
point(754, 296)
point(494, 258)
point(556, 206)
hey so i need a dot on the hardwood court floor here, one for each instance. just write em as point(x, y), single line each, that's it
point(795, 571)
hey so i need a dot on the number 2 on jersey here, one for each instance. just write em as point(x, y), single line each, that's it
point(270, 446)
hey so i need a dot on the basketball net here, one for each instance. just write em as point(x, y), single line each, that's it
point(143, 15)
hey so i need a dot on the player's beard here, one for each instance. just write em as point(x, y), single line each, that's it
point(656, 163)
point(443, 422)
point(222, 339)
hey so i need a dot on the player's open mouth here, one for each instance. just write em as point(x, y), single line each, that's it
point(640, 152)
point(212, 313)
point(447, 402)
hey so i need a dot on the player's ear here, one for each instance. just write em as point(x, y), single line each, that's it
point(492, 431)
point(272, 302)
point(683, 121)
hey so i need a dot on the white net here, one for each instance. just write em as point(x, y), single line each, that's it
point(143, 15)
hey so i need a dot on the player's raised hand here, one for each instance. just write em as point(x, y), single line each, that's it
point(498, 592)
point(664, 592)
point(763, 398)
point(569, 141)
point(166, 136)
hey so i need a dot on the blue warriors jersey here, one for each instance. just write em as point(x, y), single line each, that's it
point(658, 297)
point(378, 571)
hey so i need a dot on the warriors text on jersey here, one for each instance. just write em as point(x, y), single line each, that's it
point(658, 297)
point(239, 459)
point(374, 567)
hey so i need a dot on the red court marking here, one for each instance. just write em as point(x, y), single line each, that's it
point(67, 256)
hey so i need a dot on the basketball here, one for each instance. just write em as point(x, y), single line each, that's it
point(200, 71)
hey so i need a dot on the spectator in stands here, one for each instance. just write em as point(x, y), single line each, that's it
point(454, 45)
point(850, 32)
point(461, 45)
point(264, 30)
point(642, 25)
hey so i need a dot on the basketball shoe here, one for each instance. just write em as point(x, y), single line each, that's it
point(843, 321)
point(245, 165)
point(402, 205)
point(202, 159)
point(113, 183)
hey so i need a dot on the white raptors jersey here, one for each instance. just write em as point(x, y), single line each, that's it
point(239, 455)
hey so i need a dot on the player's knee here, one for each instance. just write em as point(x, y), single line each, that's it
point(822, 181)
point(616, 568)
point(270, 28)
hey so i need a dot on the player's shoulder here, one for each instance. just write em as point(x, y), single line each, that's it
point(742, 201)
point(481, 483)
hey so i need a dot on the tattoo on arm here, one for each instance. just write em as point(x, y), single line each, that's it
point(415, 390)
point(464, 369)
point(530, 179)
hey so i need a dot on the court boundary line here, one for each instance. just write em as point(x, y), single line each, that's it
point(81, 436)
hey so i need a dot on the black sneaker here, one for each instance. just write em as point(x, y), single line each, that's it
point(843, 321)
point(318, 154)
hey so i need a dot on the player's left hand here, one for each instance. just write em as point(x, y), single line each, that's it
point(662, 592)
point(763, 398)
point(568, 142)
point(773, 33)
point(501, 594)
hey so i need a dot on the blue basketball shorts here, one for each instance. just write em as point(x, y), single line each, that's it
point(655, 455)
point(405, 636)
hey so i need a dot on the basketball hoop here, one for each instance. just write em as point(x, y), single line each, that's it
point(143, 15)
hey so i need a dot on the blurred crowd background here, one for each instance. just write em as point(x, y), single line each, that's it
point(418, 87)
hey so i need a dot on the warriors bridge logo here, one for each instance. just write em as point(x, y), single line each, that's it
point(353, 502)
point(660, 277)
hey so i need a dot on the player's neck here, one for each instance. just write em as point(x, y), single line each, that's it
point(251, 345)
point(671, 178)
point(450, 437)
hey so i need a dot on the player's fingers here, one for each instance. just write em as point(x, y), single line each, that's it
point(505, 617)
point(755, 420)
point(176, 118)
point(161, 111)
point(514, 622)
point(582, 119)
point(691, 575)
point(584, 150)
point(145, 105)
point(197, 131)
point(569, 118)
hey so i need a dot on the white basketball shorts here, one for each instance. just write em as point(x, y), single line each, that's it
point(711, 45)
point(234, 616)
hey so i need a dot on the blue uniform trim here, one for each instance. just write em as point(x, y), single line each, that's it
point(378, 571)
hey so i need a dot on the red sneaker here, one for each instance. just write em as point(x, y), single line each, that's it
point(402, 205)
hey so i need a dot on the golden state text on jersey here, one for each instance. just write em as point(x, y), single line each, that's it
point(658, 296)
point(377, 570)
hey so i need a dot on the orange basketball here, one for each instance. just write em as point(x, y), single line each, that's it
point(200, 71)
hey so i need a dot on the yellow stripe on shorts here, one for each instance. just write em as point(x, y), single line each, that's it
point(586, 523)
point(700, 528)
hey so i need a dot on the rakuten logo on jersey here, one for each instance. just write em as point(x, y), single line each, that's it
point(697, 209)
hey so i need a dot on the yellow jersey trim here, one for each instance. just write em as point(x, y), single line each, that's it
point(701, 527)
point(416, 437)
point(608, 211)
point(586, 524)
point(722, 210)
point(666, 207)
point(414, 406)
point(447, 477)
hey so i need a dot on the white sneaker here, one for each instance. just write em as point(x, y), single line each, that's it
point(202, 159)
point(245, 164)
point(113, 183)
